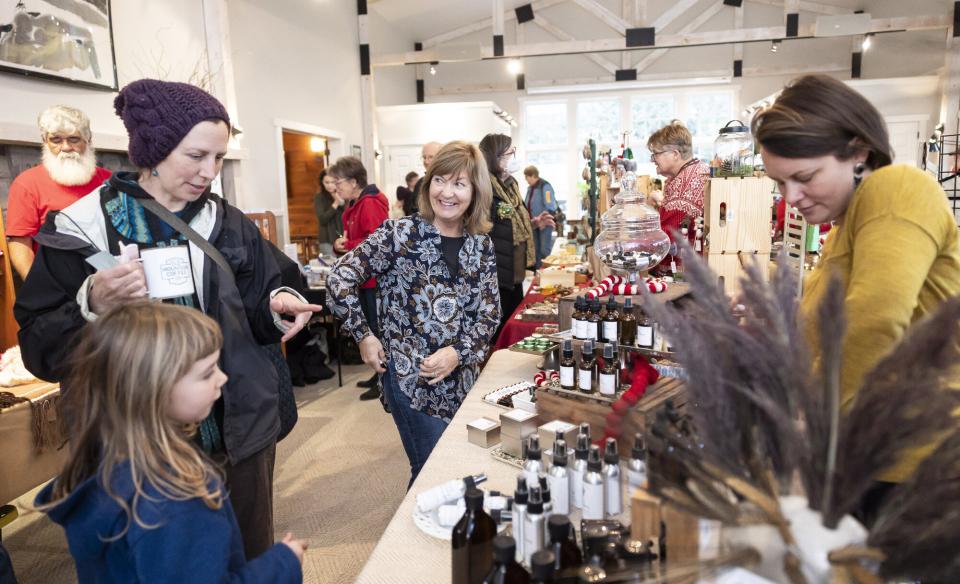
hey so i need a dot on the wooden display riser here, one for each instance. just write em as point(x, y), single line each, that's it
point(576, 409)
point(22, 465)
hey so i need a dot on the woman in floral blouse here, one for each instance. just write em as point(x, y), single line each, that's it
point(439, 305)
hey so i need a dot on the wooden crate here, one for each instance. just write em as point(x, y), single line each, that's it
point(552, 405)
point(729, 268)
point(737, 215)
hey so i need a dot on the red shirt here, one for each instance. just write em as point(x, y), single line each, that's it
point(362, 217)
point(33, 194)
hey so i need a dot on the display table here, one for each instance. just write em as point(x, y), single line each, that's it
point(406, 554)
point(516, 329)
point(22, 465)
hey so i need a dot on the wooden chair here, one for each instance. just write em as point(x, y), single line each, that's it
point(266, 222)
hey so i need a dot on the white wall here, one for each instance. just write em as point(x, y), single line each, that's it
point(422, 123)
point(151, 39)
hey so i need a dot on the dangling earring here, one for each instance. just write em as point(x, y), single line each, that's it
point(858, 169)
point(153, 172)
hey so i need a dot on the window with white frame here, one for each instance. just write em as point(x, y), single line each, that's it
point(599, 119)
point(554, 130)
point(545, 143)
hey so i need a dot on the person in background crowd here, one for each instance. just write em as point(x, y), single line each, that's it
point(68, 171)
point(427, 153)
point(512, 231)
point(137, 501)
point(367, 209)
point(178, 138)
point(439, 308)
point(404, 192)
point(671, 149)
point(894, 242)
point(541, 203)
point(329, 208)
point(656, 194)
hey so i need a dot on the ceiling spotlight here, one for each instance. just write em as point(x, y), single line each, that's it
point(514, 66)
point(774, 46)
point(866, 42)
point(433, 70)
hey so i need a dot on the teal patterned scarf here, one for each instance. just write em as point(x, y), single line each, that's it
point(129, 218)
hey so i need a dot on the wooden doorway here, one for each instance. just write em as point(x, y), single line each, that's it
point(305, 155)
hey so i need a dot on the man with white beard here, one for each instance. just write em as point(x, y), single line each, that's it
point(68, 172)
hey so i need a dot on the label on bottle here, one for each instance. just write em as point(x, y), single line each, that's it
point(576, 487)
point(532, 537)
point(645, 336)
point(567, 377)
point(593, 330)
point(613, 499)
point(592, 500)
point(586, 380)
point(610, 331)
point(577, 328)
point(638, 478)
point(559, 493)
point(519, 519)
point(608, 383)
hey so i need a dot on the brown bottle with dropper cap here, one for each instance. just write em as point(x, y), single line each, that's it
point(628, 324)
point(472, 541)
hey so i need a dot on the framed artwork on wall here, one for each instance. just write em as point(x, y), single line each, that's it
point(357, 151)
point(60, 40)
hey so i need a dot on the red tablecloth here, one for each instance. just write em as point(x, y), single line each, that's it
point(516, 329)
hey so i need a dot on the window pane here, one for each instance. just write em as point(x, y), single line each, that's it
point(649, 115)
point(545, 123)
point(599, 120)
point(551, 164)
point(707, 113)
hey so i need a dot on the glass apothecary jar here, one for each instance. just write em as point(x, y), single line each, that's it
point(733, 150)
point(631, 241)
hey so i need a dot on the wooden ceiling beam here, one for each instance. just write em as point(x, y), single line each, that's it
point(565, 36)
point(486, 23)
point(665, 41)
point(612, 20)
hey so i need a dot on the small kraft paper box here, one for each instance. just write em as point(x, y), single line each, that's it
point(548, 434)
point(483, 432)
point(515, 426)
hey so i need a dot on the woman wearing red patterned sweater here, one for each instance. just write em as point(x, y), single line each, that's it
point(671, 149)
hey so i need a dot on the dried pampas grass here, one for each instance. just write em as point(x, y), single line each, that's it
point(761, 418)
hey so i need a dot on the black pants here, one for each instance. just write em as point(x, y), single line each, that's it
point(510, 299)
point(250, 483)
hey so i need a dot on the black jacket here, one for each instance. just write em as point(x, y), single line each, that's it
point(50, 317)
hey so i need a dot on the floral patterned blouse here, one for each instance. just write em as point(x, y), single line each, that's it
point(421, 307)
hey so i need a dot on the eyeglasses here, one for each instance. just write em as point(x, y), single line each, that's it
point(509, 153)
point(337, 181)
point(653, 156)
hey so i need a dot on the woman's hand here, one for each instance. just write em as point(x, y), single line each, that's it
point(437, 366)
point(297, 546)
point(116, 286)
point(371, 351)
point(286, 303)
point(339, 245)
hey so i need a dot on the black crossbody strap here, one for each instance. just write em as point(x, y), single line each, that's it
point(180, 225)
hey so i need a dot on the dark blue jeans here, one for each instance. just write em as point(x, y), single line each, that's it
point(419, 432)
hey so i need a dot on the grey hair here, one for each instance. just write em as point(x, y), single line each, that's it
point(62, 118)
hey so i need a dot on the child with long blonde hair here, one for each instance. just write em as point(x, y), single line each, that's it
point(138, 500)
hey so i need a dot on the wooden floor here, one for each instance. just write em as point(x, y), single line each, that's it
point(340, 476)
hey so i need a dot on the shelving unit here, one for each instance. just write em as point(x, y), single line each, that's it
point(947, 167)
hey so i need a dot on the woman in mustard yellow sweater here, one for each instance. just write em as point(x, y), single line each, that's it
point(894, 241)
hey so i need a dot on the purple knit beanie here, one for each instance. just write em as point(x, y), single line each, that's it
point(158, 114)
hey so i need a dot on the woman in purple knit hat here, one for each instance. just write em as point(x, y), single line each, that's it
point(178, 139)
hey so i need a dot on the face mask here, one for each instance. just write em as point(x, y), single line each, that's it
point(514, 165)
